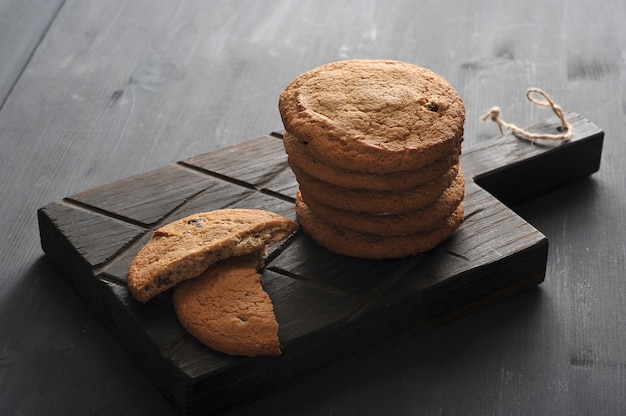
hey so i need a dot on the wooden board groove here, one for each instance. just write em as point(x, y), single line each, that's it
point(328, 306)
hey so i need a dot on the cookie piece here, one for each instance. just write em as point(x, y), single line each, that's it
point(374, 116)
point(371, 246)
point(374, 202)
point(187, 247)
point(227, 309)
point(419, 221)
point(300, 158)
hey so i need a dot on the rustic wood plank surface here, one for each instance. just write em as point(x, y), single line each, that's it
point(93, 236)
point(22, 26)
point(114, 89)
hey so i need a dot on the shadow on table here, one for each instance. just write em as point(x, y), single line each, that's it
point(57, 358)
point(426, 371)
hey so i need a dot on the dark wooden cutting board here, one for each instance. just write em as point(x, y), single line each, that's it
point(328, 306)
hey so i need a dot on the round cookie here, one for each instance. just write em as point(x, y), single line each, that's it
point(226, 309)
point(371, 246)
point(419, 221)
point(300, 158)
point(374, 202)
point(374, 116)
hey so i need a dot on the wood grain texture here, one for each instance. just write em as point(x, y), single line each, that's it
point(22, 26)
point(328, 306)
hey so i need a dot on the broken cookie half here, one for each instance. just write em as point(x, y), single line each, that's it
point(185, 248)
point(227, 309)
point(211, 260)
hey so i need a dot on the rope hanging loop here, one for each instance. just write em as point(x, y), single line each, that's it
point(565, 130)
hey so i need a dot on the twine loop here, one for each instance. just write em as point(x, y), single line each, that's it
point(565, 129)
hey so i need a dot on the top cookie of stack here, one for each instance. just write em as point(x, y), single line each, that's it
point(375, 148)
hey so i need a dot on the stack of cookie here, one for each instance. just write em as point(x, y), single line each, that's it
point(375, 147)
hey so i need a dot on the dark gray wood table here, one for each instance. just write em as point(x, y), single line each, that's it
point(93, 92)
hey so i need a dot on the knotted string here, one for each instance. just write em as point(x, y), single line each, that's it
point(566, 129)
